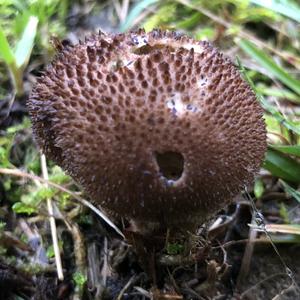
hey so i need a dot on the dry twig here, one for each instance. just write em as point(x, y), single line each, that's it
point(57, 256)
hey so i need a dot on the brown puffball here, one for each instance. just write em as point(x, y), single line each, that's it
point(156, 127)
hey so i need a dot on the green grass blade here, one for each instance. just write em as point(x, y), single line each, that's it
point(269, 64)
point(6, 52)
point(25, 45)
point(283, 228)
point(279, 93)
point(282, 166)
point(278, 115)
point(287, 149)
point(291, 191)
point(284, 7)
point(135, 12)
point(268, 107)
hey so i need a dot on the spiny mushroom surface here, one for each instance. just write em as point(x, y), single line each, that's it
point(155, 126)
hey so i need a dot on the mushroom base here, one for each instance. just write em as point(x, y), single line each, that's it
point(158, 228)
point(154, 246)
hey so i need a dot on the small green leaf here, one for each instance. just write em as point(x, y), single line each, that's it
point(58, 175)
point(287, 149)
point(2, 225)
point(36, 196)
point(85, 220)
point(270, 65)
point(2, 251)
point(79, 279)
point(16, 128)
point(274, 126)
point(258, 188)
point(22, 208)
point(6, 52)
point(282, 166)
point(284, 214)
point(45, 192)
point(50, 251)
point(205, 33)
point(25, 45)
point(174, 248)
point(4, 157)
point(6, 143)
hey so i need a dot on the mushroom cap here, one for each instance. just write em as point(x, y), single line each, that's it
point(155, 126)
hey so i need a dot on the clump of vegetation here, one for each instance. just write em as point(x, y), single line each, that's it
point(26, 24)
point(85, 251)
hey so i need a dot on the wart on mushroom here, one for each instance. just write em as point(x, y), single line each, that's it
point(156, 127)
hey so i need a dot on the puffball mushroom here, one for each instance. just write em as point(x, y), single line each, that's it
point(156, 127)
